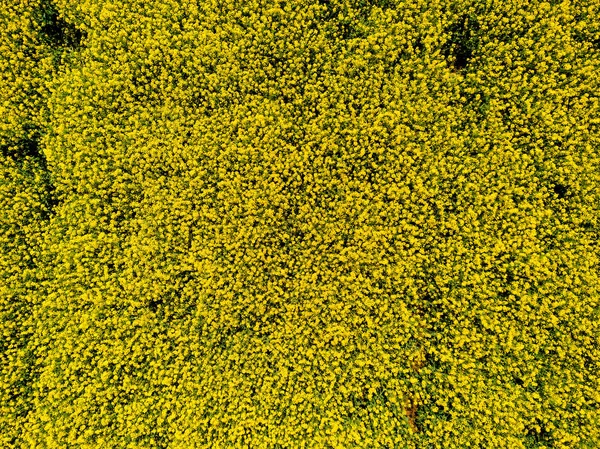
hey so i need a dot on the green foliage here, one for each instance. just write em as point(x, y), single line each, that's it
point(306, 224)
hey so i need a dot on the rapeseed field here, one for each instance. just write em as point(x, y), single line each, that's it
point(299, 224)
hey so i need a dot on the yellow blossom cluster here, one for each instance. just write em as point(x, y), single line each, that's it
point(299, 224)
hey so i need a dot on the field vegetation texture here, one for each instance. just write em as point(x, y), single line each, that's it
point(299, 224)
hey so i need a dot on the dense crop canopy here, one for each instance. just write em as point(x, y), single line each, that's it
point(299, 224)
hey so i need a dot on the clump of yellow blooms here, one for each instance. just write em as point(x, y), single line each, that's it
point(299, 224)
